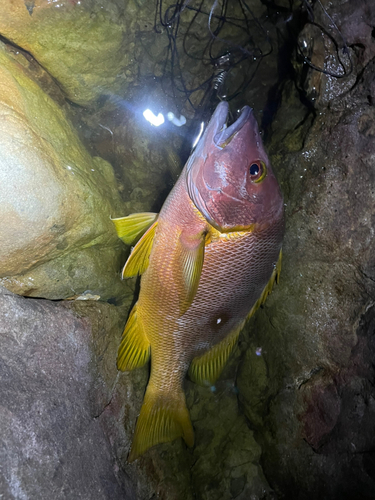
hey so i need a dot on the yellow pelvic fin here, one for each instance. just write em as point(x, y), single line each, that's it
point(206, 369)
point(137, 262)
point(163, 418)
point(132, 227)
point(190, 258)
point(275, 277)
point(134, 350)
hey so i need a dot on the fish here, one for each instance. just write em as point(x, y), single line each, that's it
point(207, 262)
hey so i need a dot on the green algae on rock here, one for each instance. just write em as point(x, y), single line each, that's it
point(86, 46)
point(56, 236)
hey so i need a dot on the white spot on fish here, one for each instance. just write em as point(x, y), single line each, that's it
point(220, 169)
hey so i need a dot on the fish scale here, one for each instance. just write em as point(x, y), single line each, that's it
point(247, 259)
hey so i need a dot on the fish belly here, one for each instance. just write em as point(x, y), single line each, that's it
point(235, 272)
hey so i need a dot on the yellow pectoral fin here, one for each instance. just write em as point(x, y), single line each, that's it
point(134, 350)
point(268, 288)
point(190, 259)
point(137, 262)
point(163, 418)
point(206, 369)
point(132, 227)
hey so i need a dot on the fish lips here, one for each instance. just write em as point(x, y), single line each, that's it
point(217, 171)
point(224, 135)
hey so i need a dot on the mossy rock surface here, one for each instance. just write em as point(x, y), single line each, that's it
point(57, 239)
point(88, 47)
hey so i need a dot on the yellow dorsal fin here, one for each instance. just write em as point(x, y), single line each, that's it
point(137, 262)
point(163, 418)
point(190, 259)
point(268, 288)
point(134, 350)
point(206, 369)
point(132, 227)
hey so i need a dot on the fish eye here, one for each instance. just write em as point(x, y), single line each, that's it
point(257, 171)
point(254, 169)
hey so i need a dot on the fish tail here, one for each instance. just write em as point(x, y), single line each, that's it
point(163, 418)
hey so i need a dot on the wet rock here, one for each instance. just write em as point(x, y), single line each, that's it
point(336, 45)
point(309, 394)
point(88, 47)
point(52, 443)
point(144, 157)
point(172, 470)
point(332, 72)
point(68, 416)
point(223, 438)
point(56, 236)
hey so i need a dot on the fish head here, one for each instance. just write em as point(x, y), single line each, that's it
point(229, 176)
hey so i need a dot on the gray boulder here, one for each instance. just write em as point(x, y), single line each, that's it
point(52, 443)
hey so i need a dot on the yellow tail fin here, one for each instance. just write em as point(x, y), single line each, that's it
point(163, 418)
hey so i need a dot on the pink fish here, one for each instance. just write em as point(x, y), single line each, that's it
point(208, 261)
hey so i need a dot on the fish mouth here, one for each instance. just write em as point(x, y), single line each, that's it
point(225, 134)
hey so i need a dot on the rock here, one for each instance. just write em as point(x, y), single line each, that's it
point(309, 396)
point(68, 416)
point(87, 47)
point(56, 237)
point(332, 73)
point(144, 156)
point(223, 438)
point(172, 470)
point(52, 443)
point(336, 46)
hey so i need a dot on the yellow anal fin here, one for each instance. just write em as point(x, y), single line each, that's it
point(278, 266)
point(163, 418)
point(134, 350)
point(206, 369)
point(190, 259)
point(137, 262)
point(132, 227)
point(268, 288)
